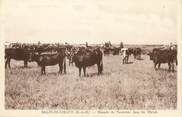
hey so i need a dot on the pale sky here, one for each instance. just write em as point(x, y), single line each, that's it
point(92, 21)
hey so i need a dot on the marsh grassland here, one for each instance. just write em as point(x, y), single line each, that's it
point(131, 86)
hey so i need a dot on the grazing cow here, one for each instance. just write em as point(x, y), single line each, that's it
point(84, 58)
point(130, 51)
point(116, 50)
point(137, 53)
point(164, 56)
point(107, 50)
point(44, 60)
point(17, 54)
point(125, 55)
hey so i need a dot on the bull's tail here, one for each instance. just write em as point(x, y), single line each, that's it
point(64, 65)
point(101, 67)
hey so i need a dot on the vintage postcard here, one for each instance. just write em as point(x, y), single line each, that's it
point(90, 58)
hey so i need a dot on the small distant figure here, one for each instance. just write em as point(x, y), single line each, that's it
point(66, 43)
point(38, 42)
point(171, 46)
point(86, 44)
point(121, 45)
point(109, 43)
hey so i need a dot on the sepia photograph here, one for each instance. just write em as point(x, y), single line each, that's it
point(91, 55)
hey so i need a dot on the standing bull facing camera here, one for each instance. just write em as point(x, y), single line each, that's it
point(84, 58)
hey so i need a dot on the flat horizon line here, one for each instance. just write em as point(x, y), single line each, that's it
point(85, 43)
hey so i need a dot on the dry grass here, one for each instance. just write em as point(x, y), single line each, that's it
point(131, 86)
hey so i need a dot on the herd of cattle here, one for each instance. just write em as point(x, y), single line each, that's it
point(47, 55)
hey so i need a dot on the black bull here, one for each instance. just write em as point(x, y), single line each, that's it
point(49, 60)
point(137, 53)
point(17, 54)
point(164, 56)
point(84, 59)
